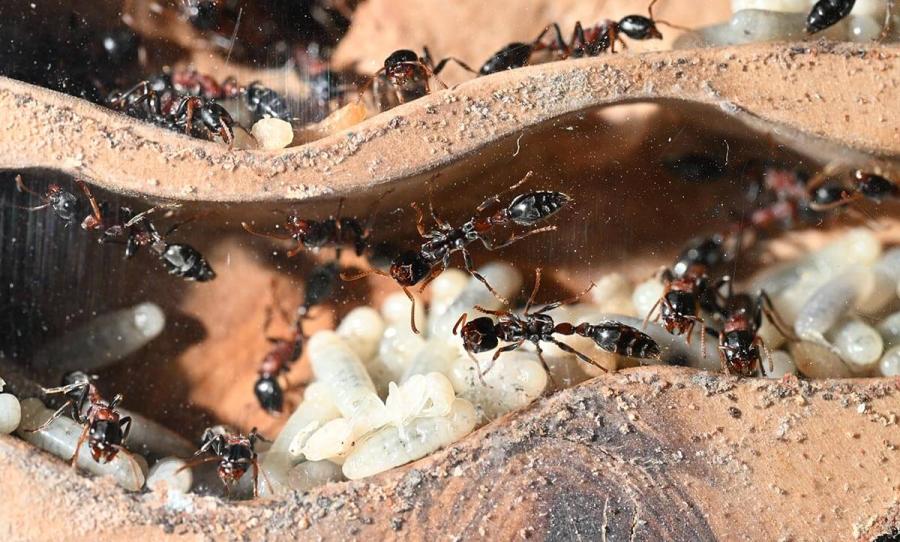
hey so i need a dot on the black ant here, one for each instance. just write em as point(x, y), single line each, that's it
point(63, 203)
point(604, 35)
point(863, 185)
point(826, 13)
point(235, 454)
point(335, 231)
point(517, 54)
point(195, 115)
point(409, 73)
point(265, 102)
point(319, 285)
point(433, 256)
point(482, 334)
point(104, 428)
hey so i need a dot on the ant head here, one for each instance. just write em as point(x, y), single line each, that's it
point(410, 268)
point(105, 440)
point(638, 27)
point(64, 203)
point(299, 228)
point(740, 352)
point(480, 335)
point(400, 57)
point(828, 194)
point(874, 187)
point(214, 115)
point(268, 393)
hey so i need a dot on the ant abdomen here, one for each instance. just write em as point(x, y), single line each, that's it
point(620, 339)
point(533, 207)
point(186, 262)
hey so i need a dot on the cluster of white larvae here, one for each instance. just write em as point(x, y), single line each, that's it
point(771, 20)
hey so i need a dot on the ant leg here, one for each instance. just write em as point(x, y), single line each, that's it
point(191, 105)
point(145, 85)
point(95, 208)
point(540, 355)
point(650, 313)
point(504, 349)
point(349, 277)
point(515, 238)
point(433, 274)
point(255, 465)
point(496, 197)
point(250, 230)
point(226, 134)
point(195, 462)
point(412, 310)
point(261, 471)
point(758, 341)
point(460, 323)
point(478, 370)
point(888, 21)
point(534, 291)
point(565, 347)
point(420, 219)
point(569, 301)
point(470, 267)
point(81, 439)
point(479, 308)
point(722, 360)
point(52, 418)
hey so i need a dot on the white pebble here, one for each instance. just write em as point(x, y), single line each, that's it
point(61, 437)
point(394, 446)
point(102, 341)
point(165, 476)
point(858, 344)
point(10, 413)
point(421, 396)
point(645, 295)
point(316, 409)
point(504, 278)
point(817, 361)
point(890, 362)
point(272, 134)
point(782, 364)
point(395, 310)
point(513, 381)
point(890, 330)
point(310, 474)
point(335, 363)
point(362, 329)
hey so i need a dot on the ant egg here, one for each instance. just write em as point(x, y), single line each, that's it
point(781, 364)
point(890, 362)
point(165, 476)
point(420, 396)
point(505, 278)
point(102, 341)
point(872, 8)
point(858, 344)
point(445, 288)
point(831, 301)
point(393, 446)
point(817, 361)
point(311, 474)
point(396, 308)
point(890, 330)
point(645, 296)
point(335, 363)
point(10, 413)
point(361, 329)
point(513, 381)
point(784, 6)
point(60, 438)
point(272, 134)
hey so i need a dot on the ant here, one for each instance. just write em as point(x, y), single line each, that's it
point(482, 334)
point(826, 13)
point(604, 35)
point(863, 185)
point(144, 103)
point(265, 102)
point(409, 73)
point(63, 203)
point(517, 54)
point(104, 428)
point(319, 286)
point(335, 231)
point(433, 256)
point(235, 454)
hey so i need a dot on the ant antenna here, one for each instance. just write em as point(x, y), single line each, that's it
point(249, 229)
point(666, 23)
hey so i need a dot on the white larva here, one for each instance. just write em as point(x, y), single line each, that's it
point(333, 441)
point(817, 361)
point(831, 301)
point(60, 438)
point(890, 330)
point(421, 396)
point(102, 341)
point(147, 437)
point(395, 310)
point(887, 276)
point(396, 351)
point(393, 446)
point(513, 381)
point(436, 356)
point(316, 409)
point(335, 363)
point(165, 475)
point(362, 329)
point(858, 344)
point(781, 364)
point(310, 474)
point(890, 362)
point(444, 289)
point(645, 296)
point(504, 278)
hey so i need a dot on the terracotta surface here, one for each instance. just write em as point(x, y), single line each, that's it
point(49, 130)
point(648, 454)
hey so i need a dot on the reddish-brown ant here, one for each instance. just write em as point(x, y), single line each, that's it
point(409, 74)
point(862, 185)
point(104, 429)
point(604, 35)
point(482, 334)
point(235, 454)
point(433, 256)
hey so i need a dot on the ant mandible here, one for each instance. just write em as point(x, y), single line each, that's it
point(433, 256)
point(482, 334)
point(235, 454)
point(104, 429)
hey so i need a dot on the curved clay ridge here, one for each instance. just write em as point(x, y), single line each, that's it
point(858, 86)
point(647, 454)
